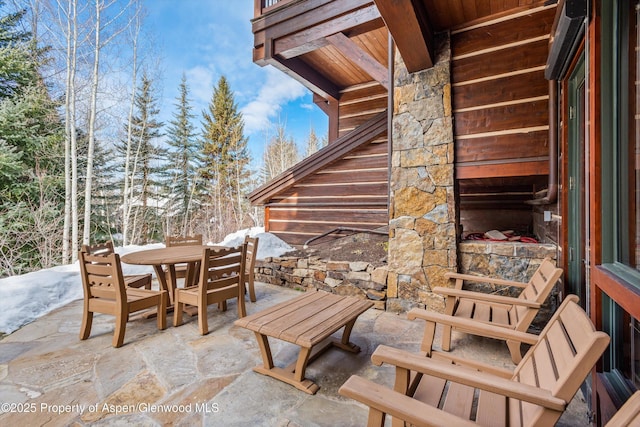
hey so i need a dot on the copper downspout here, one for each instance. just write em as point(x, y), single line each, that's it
point(552, 191)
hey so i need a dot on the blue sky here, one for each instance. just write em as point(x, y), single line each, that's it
point(209, 38)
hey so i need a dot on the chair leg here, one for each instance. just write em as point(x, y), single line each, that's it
point(203, 324)
point(446, 338)
point(242, 310)
point(87, 321)
point(177, 313)
point(252, 292)
point(162, 311)
point(120, 327)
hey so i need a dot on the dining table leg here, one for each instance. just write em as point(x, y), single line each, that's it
point(167, 285)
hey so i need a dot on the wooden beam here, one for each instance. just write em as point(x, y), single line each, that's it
point(307, 76)
point(361, 58)
point(331, 108)
point(408, 24)
point(310, 39)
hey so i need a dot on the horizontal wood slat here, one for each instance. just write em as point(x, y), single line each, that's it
point(328, 215)
point(507, 61)
point(521, 28)
point(502, 118)
point(345, 177)
point(506, 89)
point(348, 190)
point(534, 144)
point(506, 169)
point(317, 228)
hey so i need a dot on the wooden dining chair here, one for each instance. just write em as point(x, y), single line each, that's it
point(182, 269)
point(105, 292)
point(222, 274)
point(252, 250)
point(131, 280)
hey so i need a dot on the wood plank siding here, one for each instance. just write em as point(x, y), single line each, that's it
point(500, 96)
point(343, 185)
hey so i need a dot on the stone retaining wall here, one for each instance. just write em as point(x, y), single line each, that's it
point(360, 279)
point(508, 260)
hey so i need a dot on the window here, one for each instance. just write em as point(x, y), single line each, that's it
point(621, 143)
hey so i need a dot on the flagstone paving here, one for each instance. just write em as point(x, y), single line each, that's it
point(178, 377)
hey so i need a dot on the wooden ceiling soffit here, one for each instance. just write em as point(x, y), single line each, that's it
point(408, 24)
point(361, 58)
point(363, 134)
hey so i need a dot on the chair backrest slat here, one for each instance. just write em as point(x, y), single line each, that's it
point(222, 267)
point(566, 350)
point(102, 275)
point(538, 289)
point(183, 240)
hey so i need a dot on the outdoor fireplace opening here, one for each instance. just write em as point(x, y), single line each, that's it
point(502, 225)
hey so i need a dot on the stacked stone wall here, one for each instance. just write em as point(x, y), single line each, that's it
point(360, 279)
point(423, 217)
point(511, 261)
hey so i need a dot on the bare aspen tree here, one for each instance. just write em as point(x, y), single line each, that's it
point(129, 174)
point(98, 45)
point(70, 129)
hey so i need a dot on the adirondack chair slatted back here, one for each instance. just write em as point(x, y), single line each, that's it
point(568, 348)
point(102, 276)
point(538, 289)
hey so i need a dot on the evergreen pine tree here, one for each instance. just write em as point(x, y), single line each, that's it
point(147, 197)
point(225, 160)
point(183, 166)
point(18, 59)
point(31, 161)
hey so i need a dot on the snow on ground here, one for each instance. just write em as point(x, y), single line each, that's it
point(26, 297)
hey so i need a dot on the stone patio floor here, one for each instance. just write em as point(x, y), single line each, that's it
point(178, 377)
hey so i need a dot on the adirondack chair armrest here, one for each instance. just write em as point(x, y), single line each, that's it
point(382, 400)
point(483, 279)
point(466, 376)
point(472, 326)
point(489, 298)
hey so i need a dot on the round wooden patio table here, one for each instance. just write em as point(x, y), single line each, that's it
point(169, 257)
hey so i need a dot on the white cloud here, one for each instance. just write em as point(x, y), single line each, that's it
point(200, 81)
point(278, 90)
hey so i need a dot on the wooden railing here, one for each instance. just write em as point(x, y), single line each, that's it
point(263, 6)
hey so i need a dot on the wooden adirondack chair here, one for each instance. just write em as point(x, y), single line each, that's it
point(252, 249)
point(181, 269)
point(222, 274)
point(131, 280)
point(508, 312)
point(105, 292)
point(629, 414)
point(443, 390)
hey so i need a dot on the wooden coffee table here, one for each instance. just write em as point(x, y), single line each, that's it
point(307, 321)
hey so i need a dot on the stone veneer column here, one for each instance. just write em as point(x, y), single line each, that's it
point(423, 218)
